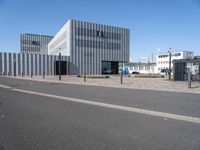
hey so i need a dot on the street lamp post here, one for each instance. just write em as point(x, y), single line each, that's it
point(14, 63)
point(170, 56)
point(121, 76)
point(59, 66)
point(189, 77)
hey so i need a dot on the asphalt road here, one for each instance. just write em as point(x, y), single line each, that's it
point(30, 122)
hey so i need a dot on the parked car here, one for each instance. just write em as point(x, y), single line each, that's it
point(135, 72)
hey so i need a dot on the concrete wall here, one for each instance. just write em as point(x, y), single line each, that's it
point(27, 63)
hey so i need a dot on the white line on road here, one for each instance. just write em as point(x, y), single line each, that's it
point(112, 106)
point(4, 86)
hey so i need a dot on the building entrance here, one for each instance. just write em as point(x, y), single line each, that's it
point(110, 67)
point(63, 66)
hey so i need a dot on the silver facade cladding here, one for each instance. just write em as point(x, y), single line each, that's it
point(37, 64)
point(90, 44)
point(86, 46)
point(35, 44)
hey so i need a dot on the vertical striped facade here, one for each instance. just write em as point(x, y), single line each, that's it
point(37, 64)
point(90, 44)
point(34, 44)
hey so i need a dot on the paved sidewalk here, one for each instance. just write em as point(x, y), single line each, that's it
point(159, 84)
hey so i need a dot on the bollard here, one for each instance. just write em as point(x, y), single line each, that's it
point(84, 76)
point(22, 74)
point(31, 74)
point(189, 78)
point(121, 77)
point(43, 75)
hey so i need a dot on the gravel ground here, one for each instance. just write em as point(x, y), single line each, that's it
point(160, 84)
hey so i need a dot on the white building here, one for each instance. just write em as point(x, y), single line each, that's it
point(143, 68)
point(162, 59)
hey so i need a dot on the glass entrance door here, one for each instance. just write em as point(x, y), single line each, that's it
point(110, 67)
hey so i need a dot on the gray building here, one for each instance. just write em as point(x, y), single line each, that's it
point(92, 48)
point(34, 44)
point(85, 48)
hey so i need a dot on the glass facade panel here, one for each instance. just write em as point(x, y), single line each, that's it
point(120, 67)
point(106, 67)
point(109, 67)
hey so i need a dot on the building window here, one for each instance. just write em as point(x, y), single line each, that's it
point(35, 43)
point(131, 68)
point(177, 54)
point(98, 33)
point(141, 68)
point(162, 56)
point(101, 33)
point(189, 55)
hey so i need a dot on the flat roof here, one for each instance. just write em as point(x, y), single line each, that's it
point(36, 34)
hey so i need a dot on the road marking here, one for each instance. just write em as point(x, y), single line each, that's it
point(4, 86)
point(117, 107)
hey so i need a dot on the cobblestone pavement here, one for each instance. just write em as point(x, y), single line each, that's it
point(160, 84)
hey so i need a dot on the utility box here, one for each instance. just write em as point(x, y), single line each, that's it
point(179, 71)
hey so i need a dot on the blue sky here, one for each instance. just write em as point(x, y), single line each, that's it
point(154, 24)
